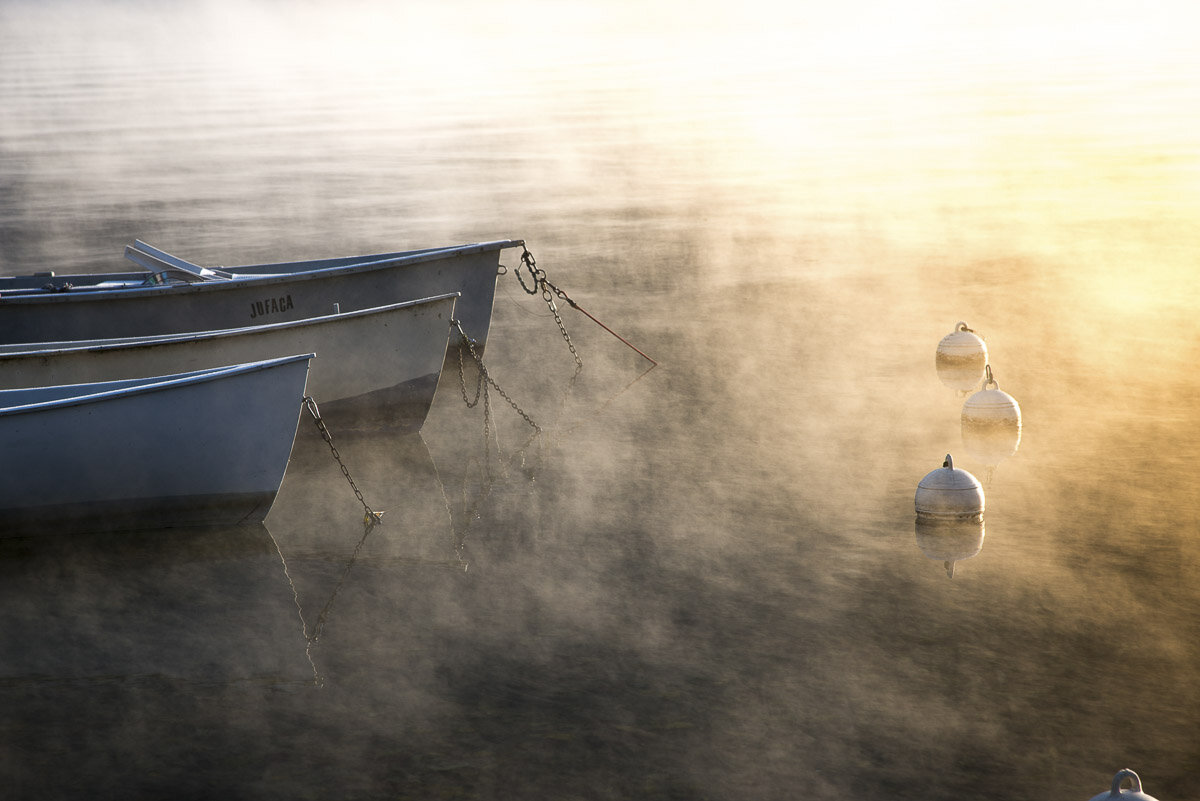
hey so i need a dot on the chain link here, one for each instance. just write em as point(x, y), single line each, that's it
point(562, 328)
point(484, 376)
point(542, 286)
point(483, 394)
point(470, 509)
point(549, 291)
point(535, 274)
point(323, 615)
point(537, 284)
point(370, 517)
point(462, 382)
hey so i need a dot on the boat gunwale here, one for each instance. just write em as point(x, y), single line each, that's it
point(49, 349)
point(145, 386)
point(85, 293)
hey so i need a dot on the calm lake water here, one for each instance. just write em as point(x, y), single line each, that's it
point(704, 580)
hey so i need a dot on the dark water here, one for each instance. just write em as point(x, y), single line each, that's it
point(700, 582)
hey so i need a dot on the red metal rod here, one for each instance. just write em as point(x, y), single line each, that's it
point(575, 305)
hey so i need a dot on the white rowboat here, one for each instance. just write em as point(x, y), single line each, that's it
point(206, 448)
point(171, 295)
point(380, 364)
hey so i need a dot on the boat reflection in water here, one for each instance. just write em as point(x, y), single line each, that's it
point(203, 605)
point(233, 604)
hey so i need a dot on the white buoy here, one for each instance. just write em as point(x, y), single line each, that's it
point(991, 422)
point(961, 356)
point(1133, 794)
point(949, 494)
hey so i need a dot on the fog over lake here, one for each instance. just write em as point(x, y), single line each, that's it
point(704, 578)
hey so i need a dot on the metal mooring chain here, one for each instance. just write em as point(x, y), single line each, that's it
point(323, 615)
point(484, 383)
point(484, 375)
point(540, 283)
point(549, 291)
point(370, 517)
point(462, 380)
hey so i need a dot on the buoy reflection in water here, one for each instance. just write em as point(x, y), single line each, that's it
point(961, 358)
point(949, 541)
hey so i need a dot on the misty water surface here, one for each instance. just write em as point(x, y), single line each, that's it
point(702, 581)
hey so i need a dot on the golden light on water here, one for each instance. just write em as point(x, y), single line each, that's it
point(1047, 146)
point(1065, 128)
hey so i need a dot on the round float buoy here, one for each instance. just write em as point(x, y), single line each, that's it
point(949, 542)
point(949, 494)
point(1133, 794)
point(991, 422)
point(961, 356)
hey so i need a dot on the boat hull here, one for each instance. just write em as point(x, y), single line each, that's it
point(376, 366)
point(138, 514)
point(115, 305)
point(208, 448)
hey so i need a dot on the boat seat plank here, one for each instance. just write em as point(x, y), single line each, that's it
point(157, 260)
point(157, 265)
